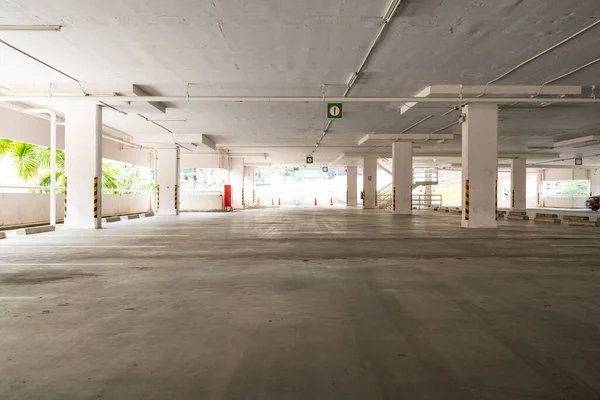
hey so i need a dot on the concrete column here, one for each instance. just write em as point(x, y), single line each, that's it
point(595, 182)
point(83, 166)
point(370, 182)
point(428, 193)
point(249, 180)
point(236, 179)
point(402, 178)
point(168, 181)
point(518, 183)
point(480, 165)
point(352, 186)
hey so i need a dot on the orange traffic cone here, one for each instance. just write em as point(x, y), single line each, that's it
point(279, 202)
point(272, 201)
point(331, 202)
point(315, 201)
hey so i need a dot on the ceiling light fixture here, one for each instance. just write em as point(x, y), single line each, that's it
point(169, 120)
point(55, 28)
point(571, 142)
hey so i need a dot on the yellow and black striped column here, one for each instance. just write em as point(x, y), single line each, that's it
point(497, 200)
point(253, 197)
point(243, 199)
point(467, 199)
point(394, 199)
point(157, 197)
point(513, 199)
point(96, 197)
point(176, 198)
point(65, 197)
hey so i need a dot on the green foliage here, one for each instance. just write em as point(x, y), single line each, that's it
point(32, 162)
point(575, 188)
point(111, 176)
point(25, 160)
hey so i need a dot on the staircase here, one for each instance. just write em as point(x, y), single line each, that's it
point(421, 177)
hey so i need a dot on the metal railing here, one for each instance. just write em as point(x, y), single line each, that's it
point(426, 200)
point(60, 190)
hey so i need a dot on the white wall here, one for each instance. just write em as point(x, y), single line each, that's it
point(204, 161)
point(202, 202)
point(112, 150)
point(564, 202)
point(23, 127)
point(30, 208)
point(115, 204)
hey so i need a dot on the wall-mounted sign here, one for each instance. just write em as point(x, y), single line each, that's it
point(370, 178)
point(325, 169)
point(310, 159)
point(334, 110)
point(579, 161)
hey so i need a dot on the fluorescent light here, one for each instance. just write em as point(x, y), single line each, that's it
point(55, 28)
point(169, 120)
point(570, 142)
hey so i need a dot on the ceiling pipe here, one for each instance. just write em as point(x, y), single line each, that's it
point(387, 17)
point(52, 159)
point(54, 99)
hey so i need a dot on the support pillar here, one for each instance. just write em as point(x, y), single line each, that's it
point(249, 188)
point(168, 181)
point(370, 182)
point(480, 166)
point(236, 179)
point(83, 166)
point(428, 194)
point(402, 178)
point(518, 182)
point(595, 182)
point(351, 186)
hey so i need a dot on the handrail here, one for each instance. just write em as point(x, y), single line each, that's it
point(28, 187)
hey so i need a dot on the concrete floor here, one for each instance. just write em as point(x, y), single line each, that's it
point(301, 304)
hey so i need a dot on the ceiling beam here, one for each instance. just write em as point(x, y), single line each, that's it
point(138, 91)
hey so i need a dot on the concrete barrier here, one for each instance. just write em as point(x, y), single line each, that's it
point(547, 218)
point(35, 230)
point(2, 235)
point(455, 211)
point(518, 215)
point(128, 217)
point(501, 214)
point(112, 219)
point(147, 214)
point(583, 223)
point(575, 218)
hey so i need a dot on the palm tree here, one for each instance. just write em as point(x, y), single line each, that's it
point(111, 176)
point(25, 160)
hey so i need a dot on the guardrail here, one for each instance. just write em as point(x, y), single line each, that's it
point(59, 190)
point(427, 200)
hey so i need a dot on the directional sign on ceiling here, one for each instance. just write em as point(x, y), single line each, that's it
point(309, 159)
point(334, 110)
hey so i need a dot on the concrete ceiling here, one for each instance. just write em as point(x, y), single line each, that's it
point(292, 48)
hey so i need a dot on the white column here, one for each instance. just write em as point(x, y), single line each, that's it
point(402, 178)
point(428, 193)
point(83, 166)
point(518, 182)
point(249, 180)
point(168, 181)
point(480, 165)
point(352, 186)
point(595, 182)
point(370, 182)
point(236, 179)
